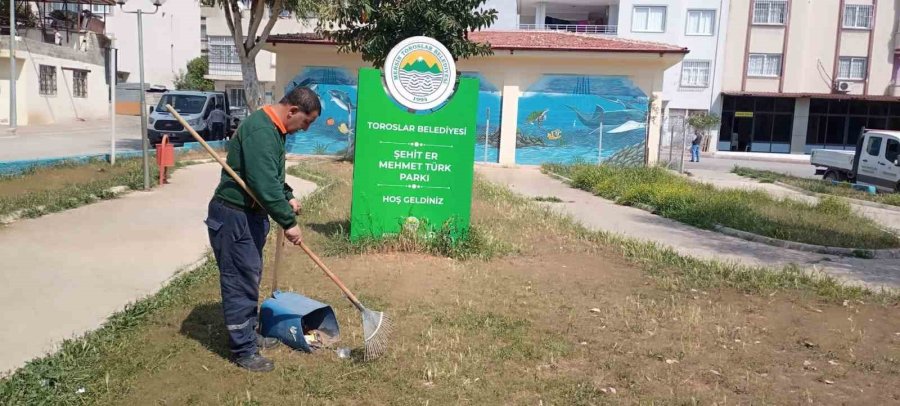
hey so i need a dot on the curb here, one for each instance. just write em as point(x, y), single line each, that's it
point(848, 199)
point(893, 253)
point(559, 177)
point(17, 215)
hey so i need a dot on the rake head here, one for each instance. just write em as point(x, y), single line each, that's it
point(377, 329)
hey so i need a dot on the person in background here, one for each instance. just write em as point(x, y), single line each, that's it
point(217, 123)
point(57, 37)
point(695, 147)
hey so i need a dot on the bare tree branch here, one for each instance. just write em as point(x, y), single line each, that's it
point(233, 18)
point(277, 8)
point(257, 12)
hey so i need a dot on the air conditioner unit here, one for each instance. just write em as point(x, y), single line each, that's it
point(842, 87)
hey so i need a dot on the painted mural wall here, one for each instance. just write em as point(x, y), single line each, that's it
point(589, 119)
point(333, 131)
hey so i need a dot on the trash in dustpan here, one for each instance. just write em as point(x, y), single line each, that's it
point(298, 321)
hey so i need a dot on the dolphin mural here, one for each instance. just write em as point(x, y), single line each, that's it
point(342, 99)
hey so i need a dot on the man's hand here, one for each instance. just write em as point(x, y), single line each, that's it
point(295, 205)
point(293, 235)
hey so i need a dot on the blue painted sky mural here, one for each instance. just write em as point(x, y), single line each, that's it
point(563, 117)
point(332, 132)
point(487, 125)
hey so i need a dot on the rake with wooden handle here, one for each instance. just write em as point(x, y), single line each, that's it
point(377, 326)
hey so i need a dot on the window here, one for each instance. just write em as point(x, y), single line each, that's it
point(204, 40)
point(892, 151)
point(223, 56)
point(771, 12)
point(768, 65)
point(874, 146)
point(649, 19)
point(101, 9)
point(858, 16)
point(236, 97)
point(700, 22)
point(79, 83)
point(48, 80)
point(852, 68)
point(695, 73)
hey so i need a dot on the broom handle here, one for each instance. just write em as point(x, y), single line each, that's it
point(243, 185)
point(279, 248)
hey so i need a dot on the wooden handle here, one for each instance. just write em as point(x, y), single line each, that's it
point(243, 185)
point(331, 275)
point(279, 249)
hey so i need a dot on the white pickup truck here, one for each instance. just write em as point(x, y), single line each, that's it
point(876, 161)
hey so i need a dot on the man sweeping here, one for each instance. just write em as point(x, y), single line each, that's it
point(238, 226)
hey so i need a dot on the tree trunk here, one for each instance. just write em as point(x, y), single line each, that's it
point(252, 90)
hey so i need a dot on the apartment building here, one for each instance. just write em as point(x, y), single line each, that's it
point(801, 75)
point(692, 85)
point(171, 37)
point(224, 64)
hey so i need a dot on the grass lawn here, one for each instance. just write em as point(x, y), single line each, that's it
point(66, 186)
point(541, 312)
point(818, 186)
point(829, 223)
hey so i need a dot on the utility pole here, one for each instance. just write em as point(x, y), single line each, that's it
point(113, 65)
point(145, 142)
point(12, 67)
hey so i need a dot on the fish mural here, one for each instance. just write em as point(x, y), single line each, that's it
point(336, 88)
point(604, 117)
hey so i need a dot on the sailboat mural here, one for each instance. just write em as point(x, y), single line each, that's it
point(573, 118)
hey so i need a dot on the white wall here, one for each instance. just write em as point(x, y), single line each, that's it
point(171, 39)
point(507, 14)
point(708, 48)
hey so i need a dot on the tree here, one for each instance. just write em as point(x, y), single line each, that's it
point(25, 16)
point(373, 27)
point(250, 38)
point(193, 79)
point(702, 123)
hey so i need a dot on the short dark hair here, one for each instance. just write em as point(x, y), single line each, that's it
point(304, 98)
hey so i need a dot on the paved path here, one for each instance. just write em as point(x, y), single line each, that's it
point(63, 274)
point(726, 164)
point(602, 215)
point(889, 219)
point(69, 139)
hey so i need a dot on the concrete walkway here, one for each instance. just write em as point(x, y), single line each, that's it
point(602, 215)
point(889, 219)
point(71, 138)
point(63, 274)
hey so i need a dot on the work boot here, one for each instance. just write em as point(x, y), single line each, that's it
point(266, 342)
point(255, 363)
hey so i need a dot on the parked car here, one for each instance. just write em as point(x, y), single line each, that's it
point(876, 161)
point(194, 107)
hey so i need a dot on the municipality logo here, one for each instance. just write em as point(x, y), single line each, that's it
point(420, 73)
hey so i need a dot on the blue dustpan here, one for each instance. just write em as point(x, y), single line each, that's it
point(287, 315)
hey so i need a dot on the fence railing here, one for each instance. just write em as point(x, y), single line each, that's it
point(673, 143)
point(578, 28)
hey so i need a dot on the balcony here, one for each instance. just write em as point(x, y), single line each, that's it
point(224, 69)
point(577, 28)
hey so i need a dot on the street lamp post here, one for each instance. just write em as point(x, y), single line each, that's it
point(145, 142)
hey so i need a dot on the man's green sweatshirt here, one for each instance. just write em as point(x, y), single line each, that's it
point(256, 154)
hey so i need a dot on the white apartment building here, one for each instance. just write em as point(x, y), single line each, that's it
point(171, 38)
point(695, 84)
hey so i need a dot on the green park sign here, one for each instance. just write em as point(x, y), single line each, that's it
point(414, 171)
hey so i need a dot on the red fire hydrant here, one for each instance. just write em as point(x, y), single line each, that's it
point(165, 158)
